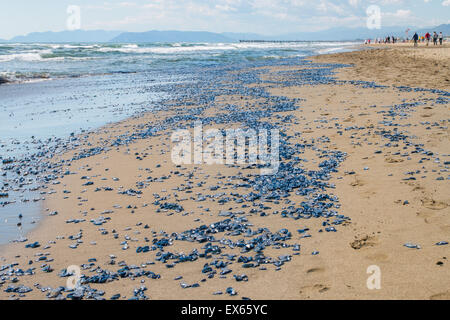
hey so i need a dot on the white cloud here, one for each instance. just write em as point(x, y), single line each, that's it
point(402, 13)
point(353, 3)
point(261, 16)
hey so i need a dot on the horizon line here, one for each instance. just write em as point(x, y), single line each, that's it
point(214, 32)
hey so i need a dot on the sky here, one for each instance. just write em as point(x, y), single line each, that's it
point(269, 17)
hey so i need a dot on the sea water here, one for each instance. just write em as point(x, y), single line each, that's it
point(55, 91)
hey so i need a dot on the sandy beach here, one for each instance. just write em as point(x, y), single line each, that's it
point(374, 121)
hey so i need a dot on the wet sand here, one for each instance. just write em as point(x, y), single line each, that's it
point(393, 185)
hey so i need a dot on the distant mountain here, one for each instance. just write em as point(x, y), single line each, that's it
point(336, 34)
point(68, 36)
point(171, 36)
point(444, 28)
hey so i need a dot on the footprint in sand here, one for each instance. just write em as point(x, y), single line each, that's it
point(433, 204)
point(368, 194)
point(357, 183)
point(416, 186)
point(363, 242)
point(317, 288)
point(425, 215)
point(393, 160)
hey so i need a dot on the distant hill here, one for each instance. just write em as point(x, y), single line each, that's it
point(336, 34)
point(68, 36)
point(444, 28)
point(171, 36)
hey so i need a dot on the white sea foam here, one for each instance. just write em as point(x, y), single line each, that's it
point(21, 56)
point(27, 53)
point(74, 59)
point(179, 48)
point(167, 50)
point(329, 50)
point(18, 77)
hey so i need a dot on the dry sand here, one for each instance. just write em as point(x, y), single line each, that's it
point(382, 222)
point(398, 65)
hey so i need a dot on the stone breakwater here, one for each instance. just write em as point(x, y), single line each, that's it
point(234, 235)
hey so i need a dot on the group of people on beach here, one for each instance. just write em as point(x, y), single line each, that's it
point(389, 39)
point(438, 39)
point(435, 38)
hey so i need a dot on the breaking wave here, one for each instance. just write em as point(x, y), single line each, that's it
point(22, 62)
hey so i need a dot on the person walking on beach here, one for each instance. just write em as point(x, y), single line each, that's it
point(441, 38)
point(415, 38)
point(435, 38)
point(428, 37)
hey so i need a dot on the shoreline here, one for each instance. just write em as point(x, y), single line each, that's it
point(323, 283)
point(4, 247)
point(106, 126)
point(30, 84)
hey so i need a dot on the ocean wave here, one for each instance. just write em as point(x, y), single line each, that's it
point(44, 55)
point(38, 52)
point(167, 49)
point(25, 77)
point(180, 48)
point(25, 62)
point(334, 50)
point(21, 56)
